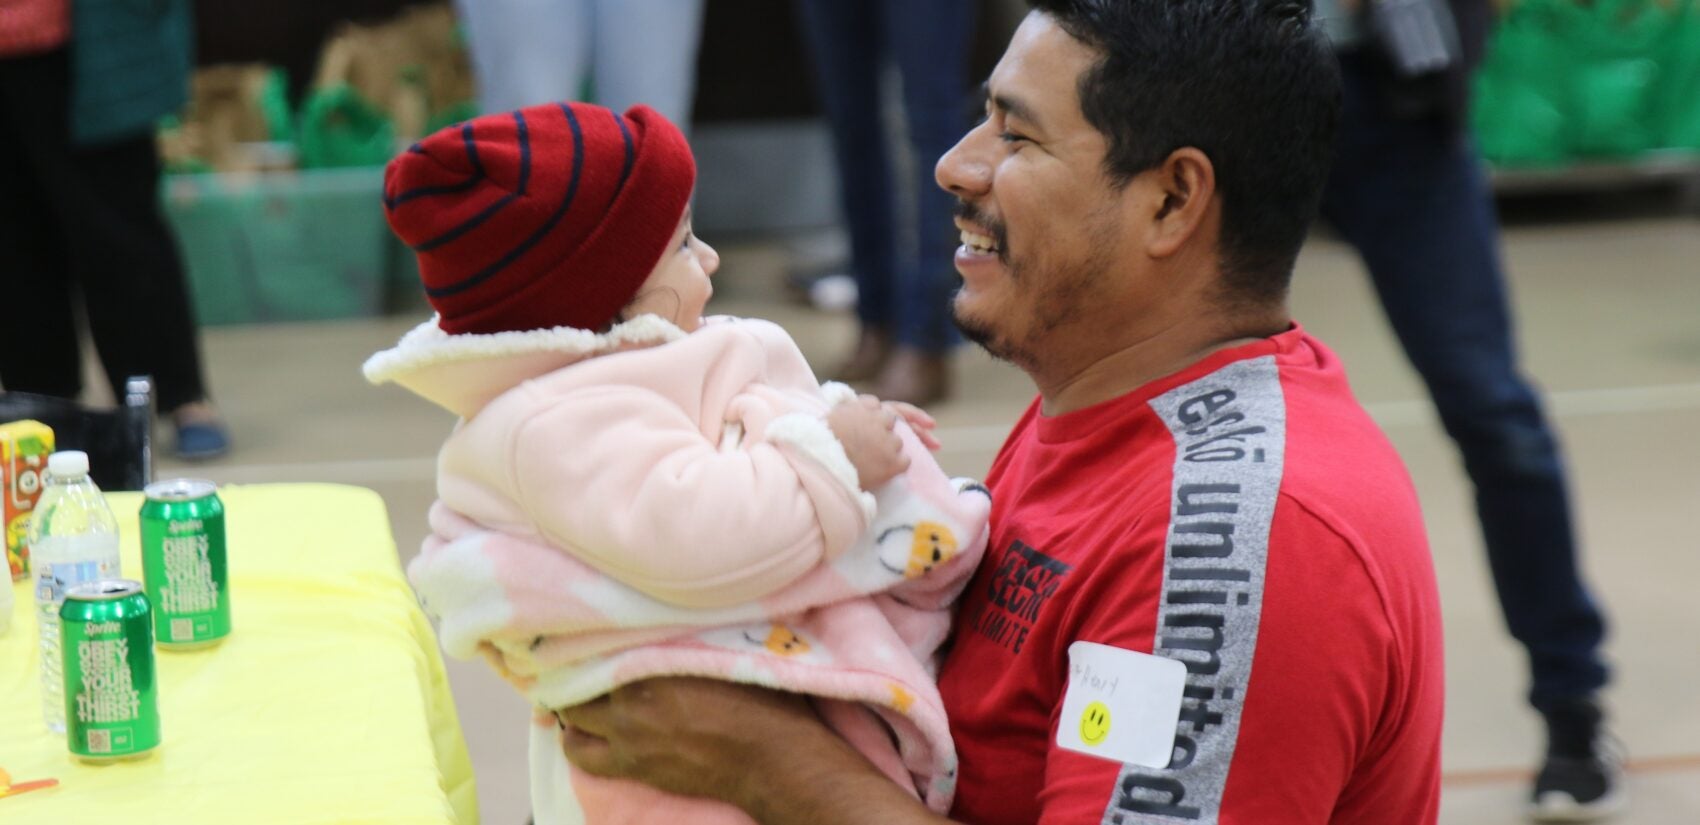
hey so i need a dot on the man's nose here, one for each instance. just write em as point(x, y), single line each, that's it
point(966, 170)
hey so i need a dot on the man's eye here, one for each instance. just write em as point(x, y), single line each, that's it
point(1011, 137)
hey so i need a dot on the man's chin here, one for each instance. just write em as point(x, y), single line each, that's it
point(982, 336)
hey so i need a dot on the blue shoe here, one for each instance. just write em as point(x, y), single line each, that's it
point(202, 440)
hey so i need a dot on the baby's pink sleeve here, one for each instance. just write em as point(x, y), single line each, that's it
point(632, 487)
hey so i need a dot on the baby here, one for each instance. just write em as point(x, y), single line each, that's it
point(635, 491)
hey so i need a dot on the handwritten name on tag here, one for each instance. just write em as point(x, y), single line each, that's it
point(1121, 705)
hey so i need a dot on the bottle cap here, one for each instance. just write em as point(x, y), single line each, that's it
point(68, 464)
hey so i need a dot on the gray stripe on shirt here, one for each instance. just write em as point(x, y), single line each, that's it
point(1230, 432)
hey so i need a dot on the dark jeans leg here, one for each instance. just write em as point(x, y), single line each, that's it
point(135, 294)
point(1411, 197)
point(104, 201)
point(845, 45)
point(39, 348)
point(930, 44)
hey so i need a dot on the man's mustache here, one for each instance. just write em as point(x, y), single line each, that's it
point(973, 214)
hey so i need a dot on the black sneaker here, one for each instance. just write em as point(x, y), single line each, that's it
point(1582, 779)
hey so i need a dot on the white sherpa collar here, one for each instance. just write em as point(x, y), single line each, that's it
point(428, 345)
point(463, 372)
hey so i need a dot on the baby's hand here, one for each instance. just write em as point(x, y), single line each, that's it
point(918, 420)
point(868, 433)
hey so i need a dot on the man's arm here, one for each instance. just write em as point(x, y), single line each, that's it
point(763, 751)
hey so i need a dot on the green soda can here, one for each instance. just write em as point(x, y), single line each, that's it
point(183, 563)
point(111, 689)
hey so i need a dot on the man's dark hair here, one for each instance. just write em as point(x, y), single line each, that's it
point(1251, 83)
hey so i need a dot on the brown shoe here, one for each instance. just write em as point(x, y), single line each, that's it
point(873, 350)
point(915, 377)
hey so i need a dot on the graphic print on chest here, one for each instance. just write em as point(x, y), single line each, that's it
point(1022, 582)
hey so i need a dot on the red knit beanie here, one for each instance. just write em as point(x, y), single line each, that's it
point(547, 216)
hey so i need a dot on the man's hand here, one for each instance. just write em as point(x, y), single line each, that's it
point(868, 433)
point(763, 751)
point(694, 737)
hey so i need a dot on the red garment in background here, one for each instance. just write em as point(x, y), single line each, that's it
point(33, 26)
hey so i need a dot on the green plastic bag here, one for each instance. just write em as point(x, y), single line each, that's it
point(339, 128)
point(1518, 114)
point(274, 106)
point(1571, 79)
point(1617, 44)
point(1677, 100)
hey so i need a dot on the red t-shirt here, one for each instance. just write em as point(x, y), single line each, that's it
point(1247, 518)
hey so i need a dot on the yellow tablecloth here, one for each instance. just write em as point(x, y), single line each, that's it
point(327, 703)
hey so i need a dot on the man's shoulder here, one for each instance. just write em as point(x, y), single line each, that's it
point(1337, 462)
point(1352, 550)
point(1281, 468)
point(1345, 474)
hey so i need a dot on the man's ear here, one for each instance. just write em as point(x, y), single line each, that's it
point(1186, 183)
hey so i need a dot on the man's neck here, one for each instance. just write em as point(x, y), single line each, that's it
point(1142, 358)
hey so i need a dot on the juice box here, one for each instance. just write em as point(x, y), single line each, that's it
point(24, 447)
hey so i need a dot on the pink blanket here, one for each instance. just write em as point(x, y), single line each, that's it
point(861, 632)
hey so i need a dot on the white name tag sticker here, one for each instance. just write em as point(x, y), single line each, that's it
point(1121, 705)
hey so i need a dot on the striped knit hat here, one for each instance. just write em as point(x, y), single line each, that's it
point(546, 216)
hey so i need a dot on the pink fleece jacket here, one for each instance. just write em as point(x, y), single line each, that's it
point(645, 502)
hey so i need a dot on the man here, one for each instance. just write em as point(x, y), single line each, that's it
point(1409, 193)
point(1194, 513)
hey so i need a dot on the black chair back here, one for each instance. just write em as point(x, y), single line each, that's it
point(118, 441)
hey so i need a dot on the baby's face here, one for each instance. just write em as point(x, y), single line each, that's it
point(678, 288)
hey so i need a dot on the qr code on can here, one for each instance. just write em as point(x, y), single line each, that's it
point(100, 741)
point(182, 629)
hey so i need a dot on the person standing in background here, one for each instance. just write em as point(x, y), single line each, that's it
point(1409, 193)
point(81, 86)
point(904, 275)
point(527, 52)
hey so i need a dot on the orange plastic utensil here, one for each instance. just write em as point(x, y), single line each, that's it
point(26, 787)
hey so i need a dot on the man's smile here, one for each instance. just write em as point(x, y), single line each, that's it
point(981, 244)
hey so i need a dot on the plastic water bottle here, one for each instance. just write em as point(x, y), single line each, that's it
point(73, 539)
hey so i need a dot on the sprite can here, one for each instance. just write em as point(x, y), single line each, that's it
point(111, 698)
point(183, 563)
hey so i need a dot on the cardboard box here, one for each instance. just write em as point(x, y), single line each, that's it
point(413, 68)
point(237, 120)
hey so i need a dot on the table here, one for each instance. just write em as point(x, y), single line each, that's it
point(327, 703)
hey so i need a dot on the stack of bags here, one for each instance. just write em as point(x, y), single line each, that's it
point(378, 89)
point(1570, 80)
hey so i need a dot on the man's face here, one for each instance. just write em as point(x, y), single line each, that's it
point(1043, 227)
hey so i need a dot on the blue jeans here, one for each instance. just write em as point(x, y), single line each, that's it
point(904, 276)
point(1411, 196)
point(528, 52)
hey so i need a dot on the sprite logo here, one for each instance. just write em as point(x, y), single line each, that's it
point(107, 694)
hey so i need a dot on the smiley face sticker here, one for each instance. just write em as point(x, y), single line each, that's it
point(1095, 723)
point(1121, 705)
